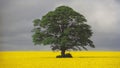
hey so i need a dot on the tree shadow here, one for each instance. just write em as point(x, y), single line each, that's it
point(67, 55)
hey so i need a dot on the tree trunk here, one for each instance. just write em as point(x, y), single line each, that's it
point(63, 53)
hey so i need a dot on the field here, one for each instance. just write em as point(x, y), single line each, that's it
point(46, 59)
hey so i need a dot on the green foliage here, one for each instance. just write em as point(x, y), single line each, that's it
point(62, 28)
point(36, 22)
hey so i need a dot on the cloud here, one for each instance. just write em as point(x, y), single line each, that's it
point(17, 17)
point(103, 16)
point(100, 15)
point(17, 22)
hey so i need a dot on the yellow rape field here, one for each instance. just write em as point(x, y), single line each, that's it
point(46, 59)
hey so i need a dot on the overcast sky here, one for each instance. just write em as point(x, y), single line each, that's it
point(16, 18)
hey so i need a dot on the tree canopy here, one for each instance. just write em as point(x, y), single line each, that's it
point(63, 29)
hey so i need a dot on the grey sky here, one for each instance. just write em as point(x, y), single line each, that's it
point(16, 18)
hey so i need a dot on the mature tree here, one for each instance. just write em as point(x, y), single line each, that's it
point(63, 29)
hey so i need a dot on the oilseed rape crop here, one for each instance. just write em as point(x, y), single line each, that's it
point(47, 59)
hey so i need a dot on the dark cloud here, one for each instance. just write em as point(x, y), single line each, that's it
point(17, 22)
point(16, 18)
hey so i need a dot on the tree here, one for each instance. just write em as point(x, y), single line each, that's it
point(63, 29)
